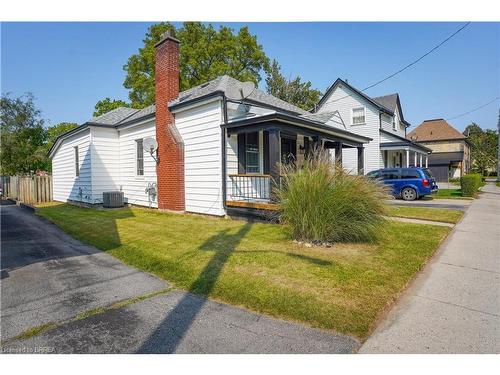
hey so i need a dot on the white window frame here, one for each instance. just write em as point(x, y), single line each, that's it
point(394, 122)
point(76, 157)
point(136, 164)
point(352, 116)
point(259, 154)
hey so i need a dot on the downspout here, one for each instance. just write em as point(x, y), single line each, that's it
point(384, 153)
point(223, 146)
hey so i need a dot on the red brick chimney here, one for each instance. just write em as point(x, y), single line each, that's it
point(170, 169)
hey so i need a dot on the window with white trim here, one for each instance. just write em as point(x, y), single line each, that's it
point(394, 122)
point(358, 116)
point(252, 152)
point(139, 158)
point(77, 162)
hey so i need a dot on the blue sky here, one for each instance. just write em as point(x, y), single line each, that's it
point(70, 66)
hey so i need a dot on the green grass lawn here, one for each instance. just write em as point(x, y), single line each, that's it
point(424, 213)
point(344, 288)
point(498, 183)
point(449, 194)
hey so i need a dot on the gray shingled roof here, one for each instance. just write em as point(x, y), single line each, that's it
point(388, 101)
point(114, 116)
point(322, 117)
point(123, 115)
point(139, 114)
point(223, 83)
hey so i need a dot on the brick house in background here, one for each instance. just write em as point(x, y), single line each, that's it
point(450, 157)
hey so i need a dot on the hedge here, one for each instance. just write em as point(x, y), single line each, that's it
point(470, 184)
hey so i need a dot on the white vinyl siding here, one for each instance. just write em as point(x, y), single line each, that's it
point(66, 185)
point(201, 133)
point(134, 186)
point(344, 100)
point(393, 125)
point(105, 161)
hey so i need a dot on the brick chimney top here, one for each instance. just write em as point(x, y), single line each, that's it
point(167, 35)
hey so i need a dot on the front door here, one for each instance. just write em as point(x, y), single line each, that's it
point(288, 150)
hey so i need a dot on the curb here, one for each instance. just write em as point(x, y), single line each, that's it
point(26, 206)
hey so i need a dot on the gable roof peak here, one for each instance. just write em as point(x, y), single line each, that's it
point(435, 130)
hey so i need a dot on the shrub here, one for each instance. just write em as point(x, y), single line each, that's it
point(454, 180)
point(321, 202)
point(470, 184)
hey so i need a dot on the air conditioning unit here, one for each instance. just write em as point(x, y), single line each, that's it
point(112, 199)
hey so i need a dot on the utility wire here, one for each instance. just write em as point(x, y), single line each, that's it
point(410, 64)
point(473, 110)
point(417, 60)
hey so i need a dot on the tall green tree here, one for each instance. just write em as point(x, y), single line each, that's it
point(290, 90)
point(53, 132)
point(484, 147)
point(23, 136)
point(205, 53)
point(106, 105)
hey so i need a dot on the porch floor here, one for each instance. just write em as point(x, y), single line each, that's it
point(255, 205)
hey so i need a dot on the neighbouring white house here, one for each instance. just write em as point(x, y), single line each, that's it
point(380, 118)
point(219, 154)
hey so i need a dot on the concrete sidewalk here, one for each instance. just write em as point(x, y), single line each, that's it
point(451, 204)
point(454, 304)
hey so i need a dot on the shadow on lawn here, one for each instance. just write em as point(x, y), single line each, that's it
point(168, 335)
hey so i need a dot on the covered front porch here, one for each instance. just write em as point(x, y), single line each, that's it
point(255, 150)
point(399, 152)
point(403, 157)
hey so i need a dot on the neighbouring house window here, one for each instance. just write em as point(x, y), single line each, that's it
point(358, 116)
point(252, 152)
point(139, 158)
point(77, 162)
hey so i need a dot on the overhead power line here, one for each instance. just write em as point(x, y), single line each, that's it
point(473, 110)
point(410, 64)
point(420, 58)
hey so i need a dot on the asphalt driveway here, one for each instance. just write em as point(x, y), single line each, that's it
point(52, 280)
point(47, 276)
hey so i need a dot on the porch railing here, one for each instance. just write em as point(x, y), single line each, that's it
point(249, 187)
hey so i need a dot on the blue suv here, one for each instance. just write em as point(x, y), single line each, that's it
point(407, 183)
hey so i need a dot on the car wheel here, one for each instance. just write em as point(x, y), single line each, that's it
point(409, 194)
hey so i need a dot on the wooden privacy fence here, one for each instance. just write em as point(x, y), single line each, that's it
point(28, 189)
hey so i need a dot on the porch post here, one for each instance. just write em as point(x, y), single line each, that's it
point(407, 158)
point(361, 161)
point(420, 160)
point(426, 161)
point(274, 158)
point(338, 153)
point(415, 159)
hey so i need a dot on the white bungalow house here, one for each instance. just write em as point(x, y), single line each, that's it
point(215, 156)
point(379, 118)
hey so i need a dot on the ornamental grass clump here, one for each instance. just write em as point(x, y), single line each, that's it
point(320, 202)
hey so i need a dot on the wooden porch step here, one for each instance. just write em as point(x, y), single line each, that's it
point(256, 205)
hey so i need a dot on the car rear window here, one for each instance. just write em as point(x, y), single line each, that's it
point(373, 174)
point(427, 173)
point(408, 173)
